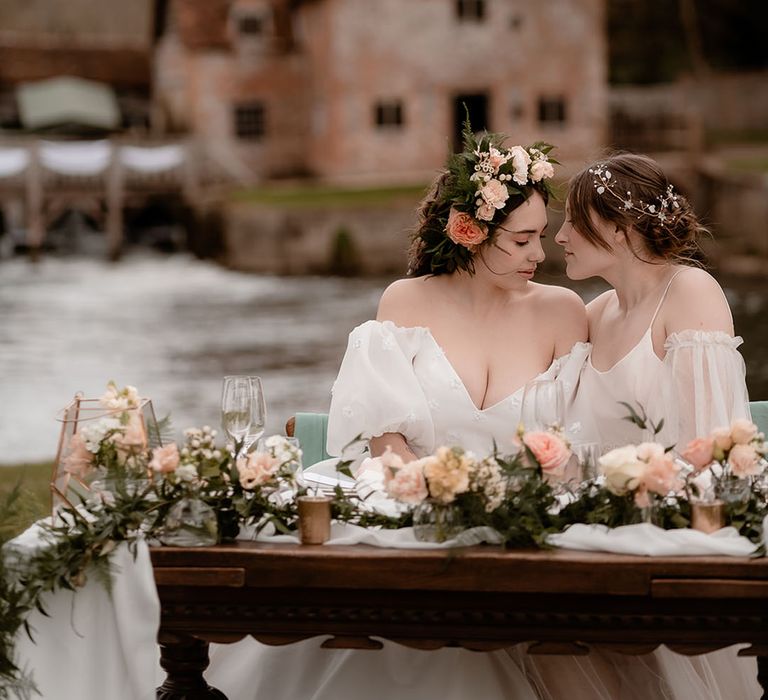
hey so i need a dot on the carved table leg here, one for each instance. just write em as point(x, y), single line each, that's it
point(184, 663)
point(762, 675)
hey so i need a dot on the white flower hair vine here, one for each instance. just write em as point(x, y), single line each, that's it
point(665, 211)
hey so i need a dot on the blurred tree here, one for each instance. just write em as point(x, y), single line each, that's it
point(653, 41)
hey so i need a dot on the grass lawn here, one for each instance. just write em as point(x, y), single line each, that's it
point(35, 500)
point(324, 196)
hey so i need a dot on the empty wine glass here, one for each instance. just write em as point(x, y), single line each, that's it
point(236, 401)
point(543, 405)
point(258, 413)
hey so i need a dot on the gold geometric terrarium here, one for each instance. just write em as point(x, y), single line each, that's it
point(74, 466)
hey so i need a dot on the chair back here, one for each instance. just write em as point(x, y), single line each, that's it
point(311, 430)
point(759, 411)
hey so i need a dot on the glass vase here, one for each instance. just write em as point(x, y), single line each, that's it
point(436, 522)
point(190, 522)
point(733, 490)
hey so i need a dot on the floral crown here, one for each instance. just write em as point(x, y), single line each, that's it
point(484, 183)
point(665, 210)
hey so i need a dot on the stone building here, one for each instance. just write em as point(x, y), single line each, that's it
point(367, 91)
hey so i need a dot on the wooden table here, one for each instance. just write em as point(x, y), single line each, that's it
point(481, 598)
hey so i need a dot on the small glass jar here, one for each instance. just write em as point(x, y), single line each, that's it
point(190, 522)
point(436, 522)
point(733, 490)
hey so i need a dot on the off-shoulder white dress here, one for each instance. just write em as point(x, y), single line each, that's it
point(395, 379)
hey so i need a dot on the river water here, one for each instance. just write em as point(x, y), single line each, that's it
point(173, 326)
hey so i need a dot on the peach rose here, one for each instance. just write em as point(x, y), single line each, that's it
point(407, 484)
point(744, 460)
point(551, 451)
point(465, 230)
point(79, 460)
point(541, 169)
point(722, 438)
point(660, 475)
point(699, 452)
point(495, 194)
point(165, 459)
point(743, 431)
point(256, 469)
point(485, 212)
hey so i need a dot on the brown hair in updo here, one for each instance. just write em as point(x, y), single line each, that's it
point(676, 240)
point(433, 214)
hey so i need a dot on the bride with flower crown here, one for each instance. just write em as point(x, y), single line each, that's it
point(445, 363)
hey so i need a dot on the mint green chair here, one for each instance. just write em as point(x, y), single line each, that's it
point(310, 429)
point(759, 411)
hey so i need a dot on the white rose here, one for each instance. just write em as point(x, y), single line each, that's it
point(541, 169)
point(186, 472)
point(520, 160)
point(649, 450)
point(622, 469)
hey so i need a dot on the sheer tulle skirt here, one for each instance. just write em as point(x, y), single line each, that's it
point(305, 671)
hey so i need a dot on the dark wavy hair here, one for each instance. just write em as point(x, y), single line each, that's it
point(431, 252)
point(675, 240)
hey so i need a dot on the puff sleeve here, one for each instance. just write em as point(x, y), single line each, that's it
point(707, 374)
point(377, 390)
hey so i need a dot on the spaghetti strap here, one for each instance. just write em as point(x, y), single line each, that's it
point(663, 296)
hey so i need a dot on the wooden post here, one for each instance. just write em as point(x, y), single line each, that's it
point(35, 233)
point(115, 191)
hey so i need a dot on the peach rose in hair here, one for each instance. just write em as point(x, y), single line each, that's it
point(699, 452)
point(465, 230)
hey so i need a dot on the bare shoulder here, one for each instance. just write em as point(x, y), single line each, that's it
point(403, 301)
point(596, 307)
point(559, 300)
point(565, 312)
point(695, 301)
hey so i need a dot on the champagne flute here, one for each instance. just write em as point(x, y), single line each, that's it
point(258, 413)
point(543, 405)
point(236, 408)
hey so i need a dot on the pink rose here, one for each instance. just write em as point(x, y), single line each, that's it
point(496, 158)
point(485, 212)
point(551, 451)
point(165, 459)
point(256, 469)
point(660, 475)
point(407, 484)
point(744, 460)
point(722, 438)
point(79, 460)
point(131, 437)
point(465, 230)
point(743, 431)
point(699, 452)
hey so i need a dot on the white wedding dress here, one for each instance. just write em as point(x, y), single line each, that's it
point(698, 386)
point(395, 379)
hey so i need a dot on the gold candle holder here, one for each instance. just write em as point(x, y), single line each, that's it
point(314, 519)
point(708, 517)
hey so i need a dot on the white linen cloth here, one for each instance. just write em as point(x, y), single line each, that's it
point(95, 644)
point(645, 539)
